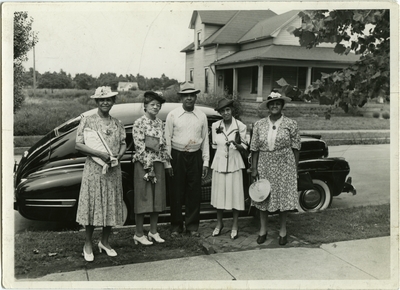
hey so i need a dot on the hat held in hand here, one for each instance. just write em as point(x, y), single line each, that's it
point(259, 190)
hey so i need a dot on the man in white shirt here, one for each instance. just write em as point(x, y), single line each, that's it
point(186, 133)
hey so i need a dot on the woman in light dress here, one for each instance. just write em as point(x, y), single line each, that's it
point(227, 179)
point(101, 197)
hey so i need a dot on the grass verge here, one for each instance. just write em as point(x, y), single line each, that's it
point(40, 253)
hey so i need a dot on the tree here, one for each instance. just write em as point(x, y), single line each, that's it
point(108, 79)
point(24, 40)
point(84, 81)
point(55, 80)
point(363, 32)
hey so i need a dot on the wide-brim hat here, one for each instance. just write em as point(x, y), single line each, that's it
point(154, 96)
point(223, 103)
point(188, 88)
point(259, 190)
point(274, 96)
point(103, 92)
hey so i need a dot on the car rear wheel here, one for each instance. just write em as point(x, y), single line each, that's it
point(316, 199)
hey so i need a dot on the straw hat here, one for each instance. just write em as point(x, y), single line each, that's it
point(103, 92)
point(274, 96)
point(259, 190)
point(188, 88)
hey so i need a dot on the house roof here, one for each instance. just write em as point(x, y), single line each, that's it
point(285, 52)
point(125, 84)
point(267, 27)
point(190, 47)
point(237, 26)
point(216, 17)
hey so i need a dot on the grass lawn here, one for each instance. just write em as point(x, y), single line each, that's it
point(40, 253)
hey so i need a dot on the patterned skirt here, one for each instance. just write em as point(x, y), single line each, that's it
point(279, 167)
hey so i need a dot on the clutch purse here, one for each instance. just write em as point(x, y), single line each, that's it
point(152, 143)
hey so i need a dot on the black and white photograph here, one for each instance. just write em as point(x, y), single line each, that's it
point(200, 145)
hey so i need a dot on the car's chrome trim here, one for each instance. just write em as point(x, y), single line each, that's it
point(56, 168)
point(50, 202)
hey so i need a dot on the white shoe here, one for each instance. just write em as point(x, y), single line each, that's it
point(155, 237)
point(110, 252)
point(88, 257)
point(143, 240)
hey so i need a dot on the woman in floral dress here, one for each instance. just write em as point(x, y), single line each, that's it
point(227, 179)
point(150, 159)
point(275, 146)
point(100, 199)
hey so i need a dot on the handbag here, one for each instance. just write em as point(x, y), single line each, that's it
point(152, 143)
point(244, 153)
point(304, 181)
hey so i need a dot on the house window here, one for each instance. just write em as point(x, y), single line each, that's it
point(254, 79)
point(198, 39)
point(191, 75)
point(206, 80)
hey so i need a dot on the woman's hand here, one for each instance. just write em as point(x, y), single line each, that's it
point(254, 175)
point(170, 171)
point(104, 156)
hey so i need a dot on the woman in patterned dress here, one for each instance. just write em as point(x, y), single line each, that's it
point(275, 146)
point(227, 178)
point(100, 198)
point(150, 159)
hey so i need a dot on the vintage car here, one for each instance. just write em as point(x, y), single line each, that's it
point(48, 178)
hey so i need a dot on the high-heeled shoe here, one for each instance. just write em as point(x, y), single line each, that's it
point(283, 240)
point(110, 252)
point(261, 239)
point(86, 256)
point(155, 237)
point(143, 240)
point(234, 234)
point(217, 231)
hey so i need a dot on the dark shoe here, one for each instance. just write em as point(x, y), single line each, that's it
point(194, 234)
point(261, 239)
point(282, 240)
point(234, 234)
point(175, 235)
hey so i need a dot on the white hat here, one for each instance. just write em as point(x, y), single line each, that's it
point(260, 190)
point(103, 92)
point(188, 88)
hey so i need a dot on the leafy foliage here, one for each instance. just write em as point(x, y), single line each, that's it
point(24, 40)
point(363, 32)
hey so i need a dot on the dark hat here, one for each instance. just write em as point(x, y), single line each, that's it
point(154, 96)
point(223, 103)
point(274, 96)
point(103, 93)
point(188, 88)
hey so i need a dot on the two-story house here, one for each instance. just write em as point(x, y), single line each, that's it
point(245, 52)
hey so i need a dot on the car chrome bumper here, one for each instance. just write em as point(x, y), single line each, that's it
point(50, 202)
point(348, 187)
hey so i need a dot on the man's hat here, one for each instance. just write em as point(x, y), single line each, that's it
point(188, 88)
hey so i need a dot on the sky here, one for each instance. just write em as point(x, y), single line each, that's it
point(122, 38)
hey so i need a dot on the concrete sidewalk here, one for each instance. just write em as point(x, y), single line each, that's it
point(350, 260)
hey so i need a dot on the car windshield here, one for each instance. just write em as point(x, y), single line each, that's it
point(67, 126)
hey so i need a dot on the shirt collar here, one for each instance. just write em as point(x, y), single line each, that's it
point(182, 111)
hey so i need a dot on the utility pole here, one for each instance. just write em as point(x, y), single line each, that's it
point(34, 72)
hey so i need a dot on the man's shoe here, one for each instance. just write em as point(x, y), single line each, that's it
point(194, 234)
point(175, 235)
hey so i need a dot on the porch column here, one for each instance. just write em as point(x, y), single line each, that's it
point(308, 77)
point(235, 83)
point(260, 83)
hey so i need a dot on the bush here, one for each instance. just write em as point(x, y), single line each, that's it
point(386, 115)
point(376, 114)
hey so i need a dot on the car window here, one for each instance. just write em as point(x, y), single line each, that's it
point(67, 126)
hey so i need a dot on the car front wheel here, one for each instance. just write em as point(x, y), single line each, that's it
point(316, 199)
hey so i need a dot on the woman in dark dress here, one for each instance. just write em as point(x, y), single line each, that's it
point(150, 159)
point(275, 146)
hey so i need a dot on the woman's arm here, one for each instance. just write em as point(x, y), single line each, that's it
point(86, 150)
point(254, 165)
point(296, 156)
